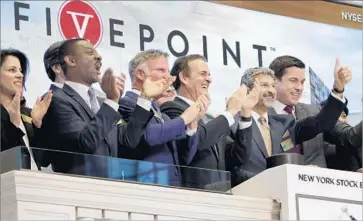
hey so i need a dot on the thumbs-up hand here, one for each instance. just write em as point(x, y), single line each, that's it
point(342, 75)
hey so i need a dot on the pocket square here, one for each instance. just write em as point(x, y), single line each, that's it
point(26, 119)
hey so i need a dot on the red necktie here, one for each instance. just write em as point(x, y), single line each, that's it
point(289, 109)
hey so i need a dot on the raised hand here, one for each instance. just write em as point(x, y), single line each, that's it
point(152, 89)
point(250, 99)
point(113, 86)
point(12, 106)
point(342, 75)
point(203, 103)
point(192, 113)
point(40, 109)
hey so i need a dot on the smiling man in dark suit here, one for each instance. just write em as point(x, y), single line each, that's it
point(290, 79)
point(217, 150)
point(274, 134)
point(77, 122)
point(168, 141)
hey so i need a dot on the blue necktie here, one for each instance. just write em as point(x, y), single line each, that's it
point(93, 100)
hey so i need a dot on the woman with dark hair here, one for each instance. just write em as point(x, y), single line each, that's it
point(18, 123)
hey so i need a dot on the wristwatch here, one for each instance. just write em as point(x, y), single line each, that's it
point(338, 91)
point(246, 119)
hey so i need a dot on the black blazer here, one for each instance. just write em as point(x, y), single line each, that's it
point(12, 136)
point(71, 126)
point(216, 133)
point(345, 143)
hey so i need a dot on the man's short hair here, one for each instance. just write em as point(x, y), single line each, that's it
point(142, 57)
point(182, 65)
point(280, 64)
point(248, 77)
point(65, 49)
point(51, 58)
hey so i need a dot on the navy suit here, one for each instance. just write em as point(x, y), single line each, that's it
point(301, 130)
point(71, 126)
point(163, 142)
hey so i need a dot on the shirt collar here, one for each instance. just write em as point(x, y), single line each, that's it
point(256, 116)
point(136, 91)
point(58, 84)
point(81, 89)
point(279, 107)
point(185, 99)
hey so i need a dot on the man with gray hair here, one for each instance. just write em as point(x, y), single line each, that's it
point(168, 141)
point(275, 134)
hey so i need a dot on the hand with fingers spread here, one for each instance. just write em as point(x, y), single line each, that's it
point(13, 108)
point(249, 99)
point(342, 75)
point(113, 86)
point(151, 89)
point(40, 109)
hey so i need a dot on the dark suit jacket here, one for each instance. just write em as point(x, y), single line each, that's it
point(300, 130)
point(255, 159)
point(163, 142)
point(217, 150)
point(345, 143)
point(313, 148)
point(71, 126)
point(12, 136)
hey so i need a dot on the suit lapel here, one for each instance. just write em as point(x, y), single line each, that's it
point(257, 137)
point(300, 112)
point(68, 90)
point(276, 131)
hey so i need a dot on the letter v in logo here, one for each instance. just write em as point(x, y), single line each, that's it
point(79, 19)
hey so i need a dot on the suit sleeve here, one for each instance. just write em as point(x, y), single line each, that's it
point(345, 135)
point(187, 148)
point(10, 135)
point(239, 151)
point(324, 121)
point(133, 131)
point(71, 132)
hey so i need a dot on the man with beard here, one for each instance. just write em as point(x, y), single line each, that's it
point(274, 134)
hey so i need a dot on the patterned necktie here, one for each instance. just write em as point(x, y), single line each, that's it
point(93, 100)
point(156, 110)
point(265, 132)
point(289, 109)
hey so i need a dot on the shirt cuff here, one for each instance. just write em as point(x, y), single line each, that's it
point(229, 117)
point(337, 97)
point(144, 103)
point(112, 104)
point(191, 132)
point(244, 125)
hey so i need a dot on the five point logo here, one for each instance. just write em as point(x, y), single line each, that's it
point(79, 19)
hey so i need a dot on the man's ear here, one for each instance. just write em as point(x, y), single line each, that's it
point(183, 78)
point(70, 61)
point(140, 75)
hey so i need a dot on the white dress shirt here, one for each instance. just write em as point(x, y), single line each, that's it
point(33, 165)
point(59, 85)
point(189, 132)
point(226, 114)
point(82, 90)
point(256, 116)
